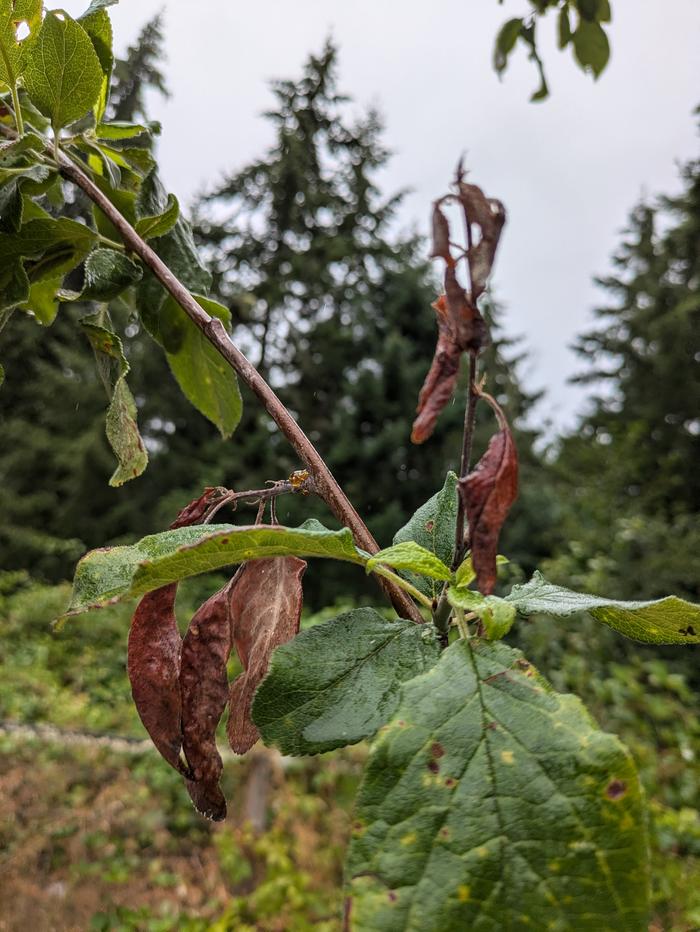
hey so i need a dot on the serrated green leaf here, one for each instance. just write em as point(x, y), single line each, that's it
point(410, 556)
point(107, 273)
point(120, 425)
point(433, 526)
point(591, 46)
point(491, 802)
point(12, 51)
point(204, 376)
point(338, 682)
point(661, 621)
point(63, 75)
point(96, 23)
point(160, 224)
point(113, 573)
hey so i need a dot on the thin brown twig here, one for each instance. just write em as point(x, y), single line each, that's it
point(467, 443)
point(214, 331)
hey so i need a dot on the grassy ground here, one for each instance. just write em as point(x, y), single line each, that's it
point(103, 836)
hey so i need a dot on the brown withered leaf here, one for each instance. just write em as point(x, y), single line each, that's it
point(265, 612)
point(441, 379)
point(488, 493)
point(153, 654)
point(489, 214)
point(441, 236)
point(469, 331)
point(204, 691)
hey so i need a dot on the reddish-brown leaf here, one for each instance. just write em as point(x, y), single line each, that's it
point(441, 236)
point(441, 378)
point(153, 654)
point(489, 214)
point(469, 331)
point(204, 691)
point(265, 612)
point(488, 493)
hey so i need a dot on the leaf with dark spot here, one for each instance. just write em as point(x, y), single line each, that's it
point(489, 214)
point(488, 493)
point(153, 655)
point(265, 612)
point(204, 691)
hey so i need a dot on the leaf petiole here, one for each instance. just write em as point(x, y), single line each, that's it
point(403, 584)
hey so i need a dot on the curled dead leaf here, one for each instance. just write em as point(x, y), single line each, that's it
point(153, 654)
point(441, 379)
point(441, 236)
point(266, 608)
point(204, 691)
point(489, 215)
point(488, 493)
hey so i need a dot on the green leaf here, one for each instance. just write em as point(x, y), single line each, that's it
point(464, 575)
point(662, 621)
point(43, 300)
point(491, 802)
point(51, 247)
point(338, 682)
point(564, 28)
point(505, 43)
point(591, 46)
point(496, 615)
point(121, 428)
point(528, 35)
point(410, 556)
point(14, 285)
point(120, 130)
point(63, 75)
point(96, 23)
point(204, 376)
point(160, 224)
point(177, 249)
point(433, 526)
point(113, 573)
point(12, 51)
point(108, 273)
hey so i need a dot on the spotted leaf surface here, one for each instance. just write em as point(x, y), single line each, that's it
point(492, 803)
point(110, 574)
point(661, 621)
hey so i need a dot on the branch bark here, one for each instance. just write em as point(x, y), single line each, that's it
point(325, 484)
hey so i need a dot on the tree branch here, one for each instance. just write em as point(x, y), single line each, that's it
point(325, 484)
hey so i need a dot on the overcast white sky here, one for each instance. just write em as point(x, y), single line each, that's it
point(569, 170)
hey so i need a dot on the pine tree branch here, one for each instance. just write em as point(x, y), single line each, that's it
point(325, 484)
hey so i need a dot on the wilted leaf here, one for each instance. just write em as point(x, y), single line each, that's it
point(441, 379)
point(489, 215)
point(662, 621)
point(204, 691)
point(488, 493)
point(338, 682)
point(467, 327)
point(491, 802)
point(109, 574)
point(265, 612)
point(121, 427)
point(441, 236)
point(433, 526)
point(153, 656)
point(63, 75)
